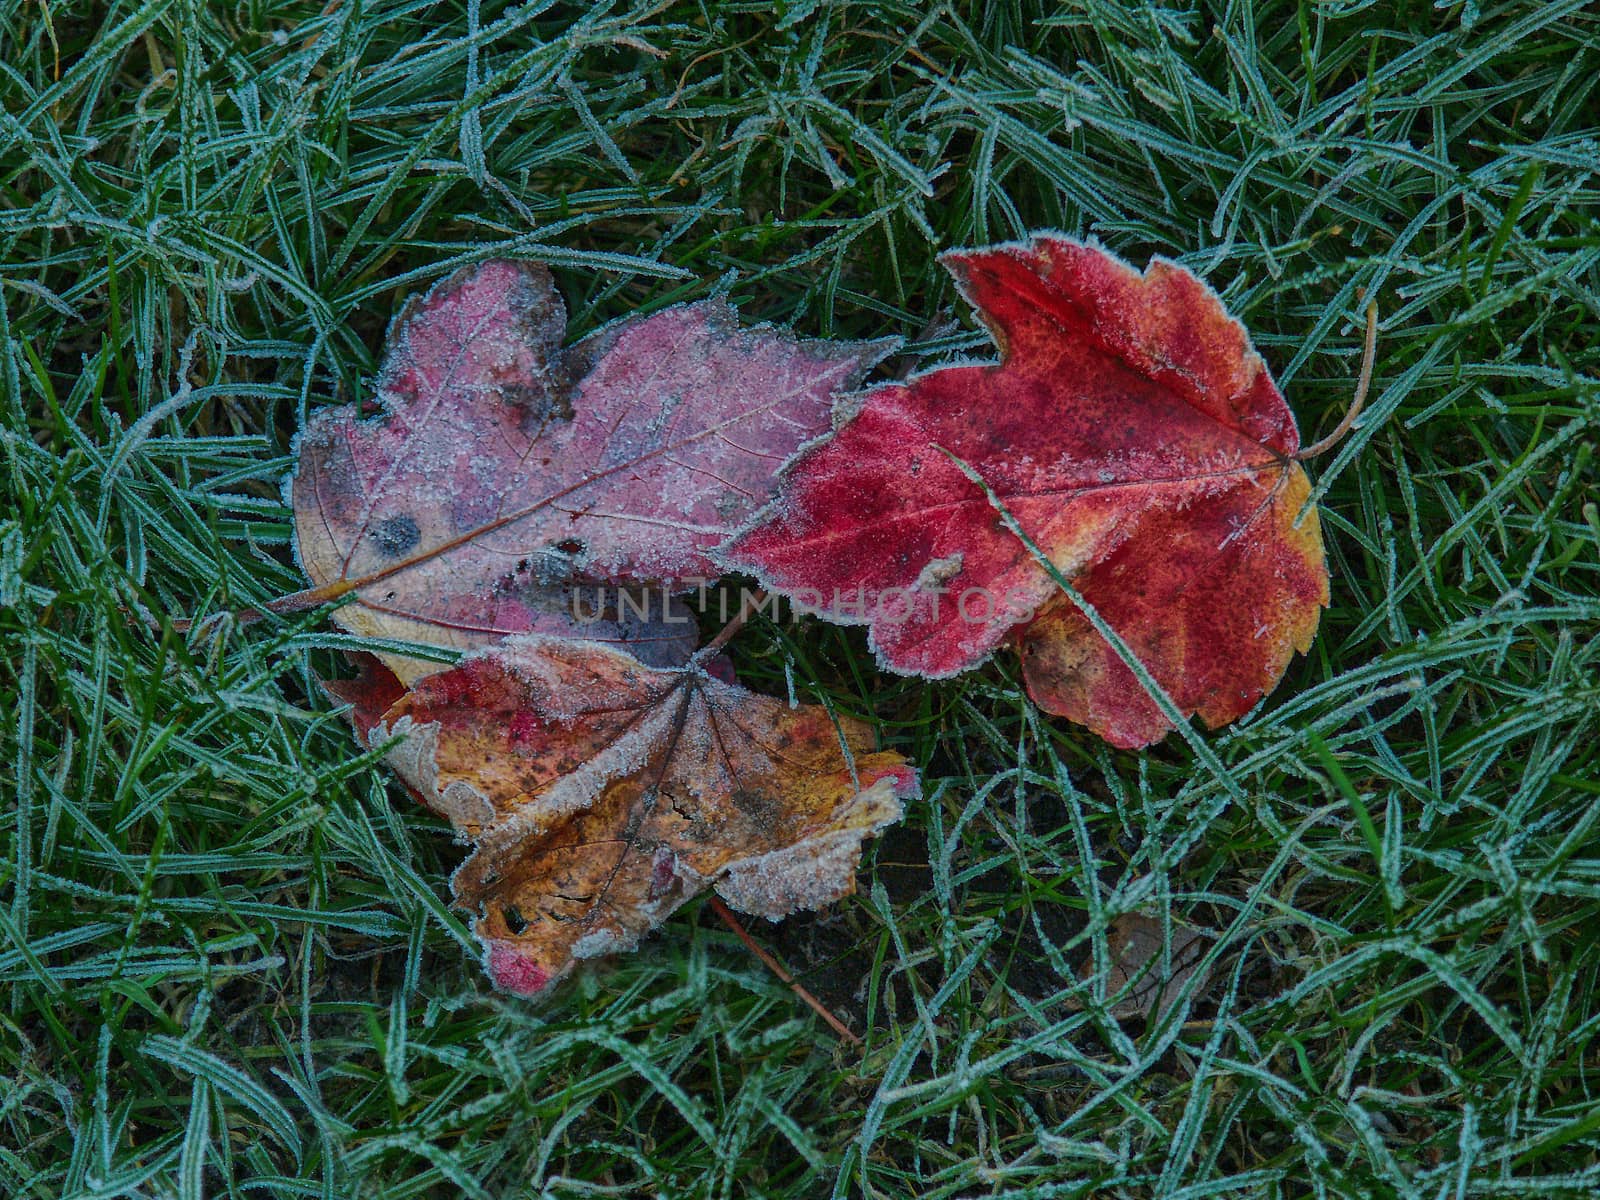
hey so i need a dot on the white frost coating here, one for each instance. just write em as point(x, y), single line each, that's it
point(415, 760)
point(604, 941)
point(811, 873)
point(939, 570)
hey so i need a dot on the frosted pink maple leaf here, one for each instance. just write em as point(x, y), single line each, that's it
point(506, 475)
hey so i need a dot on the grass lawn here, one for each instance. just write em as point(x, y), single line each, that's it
point(227, 962)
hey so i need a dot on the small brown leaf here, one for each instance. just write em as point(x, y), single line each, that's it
point(1135, 942)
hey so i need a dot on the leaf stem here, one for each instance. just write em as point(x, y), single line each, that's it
point(776, 968)
point(1368, 355)
point(752, 605)
point(301, 601)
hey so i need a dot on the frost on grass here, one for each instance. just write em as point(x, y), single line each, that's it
point(605, 794)
point(507, 476)
point(1138, 440)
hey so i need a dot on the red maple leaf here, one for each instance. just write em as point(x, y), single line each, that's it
point(505, 473)
point(1136, 438)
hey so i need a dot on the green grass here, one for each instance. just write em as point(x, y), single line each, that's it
point(227, 964)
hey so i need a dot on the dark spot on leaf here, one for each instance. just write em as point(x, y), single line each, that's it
point(397, 535)
point(534, 406)
point(515, 921)
point(760, 808)
point(572, 545)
